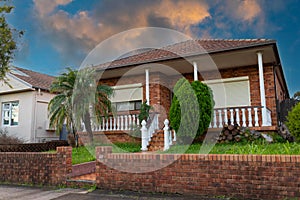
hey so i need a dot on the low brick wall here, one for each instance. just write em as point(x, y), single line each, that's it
point(36, 168)
point(33, 147)
point(108, 137)
point(240, 176)
point(84, 168)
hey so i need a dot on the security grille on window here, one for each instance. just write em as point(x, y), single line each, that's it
point(10, 113)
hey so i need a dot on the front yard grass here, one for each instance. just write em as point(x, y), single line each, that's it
point(87, 153)
point(257, 147)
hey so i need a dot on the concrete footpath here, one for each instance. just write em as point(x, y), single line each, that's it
point(8, 192)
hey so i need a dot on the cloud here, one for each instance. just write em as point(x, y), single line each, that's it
point(45, 7)
point(89, 27)
point(248, 10)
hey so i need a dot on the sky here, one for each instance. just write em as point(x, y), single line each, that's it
point(60, 33)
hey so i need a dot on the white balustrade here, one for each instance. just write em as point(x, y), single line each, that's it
point(220, 118)
point(144, 132)
point(114, 123)
point(215, 119)
point(166, 135)
point(225, 117)
point(238, 115)
point(244, 117)
point(256, 117)
point(249, 117)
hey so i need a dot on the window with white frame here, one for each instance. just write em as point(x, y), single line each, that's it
point(127, 97)
point(230, 92)
point(10, 113)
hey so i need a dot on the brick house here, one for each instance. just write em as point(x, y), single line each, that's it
point(245, 75)
point(24, 112)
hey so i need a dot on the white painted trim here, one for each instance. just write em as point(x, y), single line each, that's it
point(262, 88)
point(147, 87)
point(195, 71)
point(119, 87)
point(18, 79)
point(225, 80)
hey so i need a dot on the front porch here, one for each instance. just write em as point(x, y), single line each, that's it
point(244, 116)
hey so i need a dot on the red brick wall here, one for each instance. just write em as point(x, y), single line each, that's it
point(240, 176)
point(36, 168)
point(159, 94)
point(108, 137)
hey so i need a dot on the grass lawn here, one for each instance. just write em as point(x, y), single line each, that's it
point(87, 153)
point(257, 147)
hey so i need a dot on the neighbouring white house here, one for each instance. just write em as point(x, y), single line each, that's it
point(24, 105)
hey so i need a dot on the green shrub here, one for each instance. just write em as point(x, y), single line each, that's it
point(191, 109)
point(293, 122)
point(144, 113)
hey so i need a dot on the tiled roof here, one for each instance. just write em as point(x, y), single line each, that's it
point(186, 48)
point(37, 80)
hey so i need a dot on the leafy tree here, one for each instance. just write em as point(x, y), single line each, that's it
point(8, 44)
point(191, 109)
point(293, 122)
point(90, 100)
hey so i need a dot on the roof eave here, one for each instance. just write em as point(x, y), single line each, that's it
point(270, 42)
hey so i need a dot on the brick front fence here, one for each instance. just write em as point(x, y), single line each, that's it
point(241, 176)
point(36, 168)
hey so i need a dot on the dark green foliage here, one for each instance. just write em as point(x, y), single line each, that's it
point(191, 109)
point(206, 104)
point(293, 122)
point(8, 44)
point(144, 113)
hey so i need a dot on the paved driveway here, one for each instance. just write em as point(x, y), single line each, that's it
point(33, 193)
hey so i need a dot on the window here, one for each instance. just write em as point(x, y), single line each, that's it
point(127, 97)
point(126, 106)
point(230, 92)
point(10, 113)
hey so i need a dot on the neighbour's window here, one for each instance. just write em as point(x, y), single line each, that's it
point(10, 113)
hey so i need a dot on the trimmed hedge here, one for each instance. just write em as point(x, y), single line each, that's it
point(293, 122)
point(191, 109)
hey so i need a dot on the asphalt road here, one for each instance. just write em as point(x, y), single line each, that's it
point(34, 193)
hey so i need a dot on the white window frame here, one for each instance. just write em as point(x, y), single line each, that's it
point(9, 109)
point(232, 80)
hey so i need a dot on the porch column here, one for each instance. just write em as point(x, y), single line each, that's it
point(147, 87)
point(262, 89)
point(195, 71)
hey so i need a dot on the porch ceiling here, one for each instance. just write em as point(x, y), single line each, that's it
point(207, 62)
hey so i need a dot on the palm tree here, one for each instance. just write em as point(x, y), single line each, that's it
point(60, 107)
point(79, 99)
point(90, 100)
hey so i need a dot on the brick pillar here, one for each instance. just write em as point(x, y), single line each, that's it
point(64, 164)
point(160, 98)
